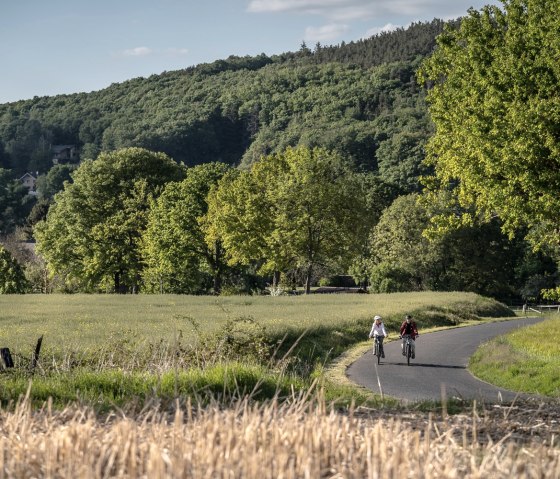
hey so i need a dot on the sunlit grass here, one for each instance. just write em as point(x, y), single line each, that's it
point(540, 340)
point(106, 351)
point(527, 360)
point(83, 321)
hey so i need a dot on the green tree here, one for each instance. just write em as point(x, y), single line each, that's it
point(402, 259)
point(495, 100)
point(298, 209)
point(15, 202)
point(178, 258)
point(240, 218)
point(92, 231)
point(479, 258)
point(53, 182)
point(12, 278)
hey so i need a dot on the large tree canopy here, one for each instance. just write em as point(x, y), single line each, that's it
point(92, 232)
point(177, 257)
point(293, 210)
point(470, 258)
point(495, 102)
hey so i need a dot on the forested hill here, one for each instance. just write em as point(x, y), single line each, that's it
point(359, 98)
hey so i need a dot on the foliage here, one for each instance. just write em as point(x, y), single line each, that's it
point(15, 203)
point(552, 294)
point(92, 232)
point(12, 278)
point(178, 259)
point(296, 209)
point(350, 97)
point(494, 98)
point(478, 259)
point(53, 182)
point(359, 99)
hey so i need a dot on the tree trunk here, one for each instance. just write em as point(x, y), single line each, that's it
point(308, 274)
point(217, 267)
point(275, 279)
point(119, 287)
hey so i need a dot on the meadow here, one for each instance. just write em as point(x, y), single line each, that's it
point(526, 360)
point(109, 351)
point(178, 386)
point(84, 321)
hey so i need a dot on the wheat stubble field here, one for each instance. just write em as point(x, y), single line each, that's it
point(295, 439)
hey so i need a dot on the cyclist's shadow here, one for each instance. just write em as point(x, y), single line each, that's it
point(426, 365)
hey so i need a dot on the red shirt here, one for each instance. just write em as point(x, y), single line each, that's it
point(409, 328)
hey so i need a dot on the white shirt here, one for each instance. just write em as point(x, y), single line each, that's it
point(377, 330)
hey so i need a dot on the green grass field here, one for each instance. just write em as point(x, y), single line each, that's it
point(108, 350)
point(70, 321)
point(527, 360)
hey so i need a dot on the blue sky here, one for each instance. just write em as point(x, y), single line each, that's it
point(50, 47)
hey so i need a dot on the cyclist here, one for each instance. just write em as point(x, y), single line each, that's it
point(378, 330)
point(408, 328)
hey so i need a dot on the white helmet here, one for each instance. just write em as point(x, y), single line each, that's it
point(377, 318)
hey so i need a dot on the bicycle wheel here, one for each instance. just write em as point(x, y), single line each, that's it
point(408, 353)
point(378, 351)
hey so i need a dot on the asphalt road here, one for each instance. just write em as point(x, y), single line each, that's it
point(441, 363)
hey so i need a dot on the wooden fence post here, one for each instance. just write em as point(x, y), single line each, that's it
point(6, 358)
point(35, 358)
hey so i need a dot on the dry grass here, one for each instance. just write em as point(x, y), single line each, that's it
point(301, 438)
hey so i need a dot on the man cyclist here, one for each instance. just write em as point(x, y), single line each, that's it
point(378, 331)
point(408, 328)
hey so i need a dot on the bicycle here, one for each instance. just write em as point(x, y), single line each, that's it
point(407, 347)
point(378, 348)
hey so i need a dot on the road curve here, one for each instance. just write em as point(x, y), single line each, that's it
point(441, 363)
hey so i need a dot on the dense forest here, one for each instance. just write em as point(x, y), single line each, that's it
point(360, 100)
point(352, 96)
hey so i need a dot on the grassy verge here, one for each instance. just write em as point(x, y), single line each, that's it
point(527, 360)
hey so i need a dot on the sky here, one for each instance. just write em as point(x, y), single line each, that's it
point(51, 47)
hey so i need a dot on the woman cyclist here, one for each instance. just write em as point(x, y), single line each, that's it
point(378, 331)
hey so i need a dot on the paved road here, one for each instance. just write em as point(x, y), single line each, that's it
point(441, 361)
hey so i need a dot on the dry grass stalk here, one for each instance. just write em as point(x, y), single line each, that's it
point(276, 440)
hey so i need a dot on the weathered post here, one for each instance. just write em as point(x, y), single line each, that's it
point(35, 358)
point(6, 358)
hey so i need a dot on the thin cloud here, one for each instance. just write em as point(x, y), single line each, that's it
point(137, 52)
point(314, 6)
point(384, 29)
point(325, 33)
point(346, 10)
